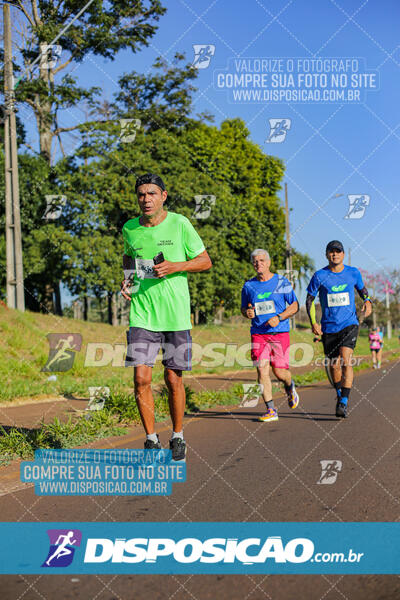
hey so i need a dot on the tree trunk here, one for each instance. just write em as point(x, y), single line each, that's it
point(196, 316)
point(114, 308)
point(43, 112)
point(77, 309)
point(85, 308)
point(101, 309)
point(219, 315)
point(57, 293)
point(48, 300)
point(109, 308)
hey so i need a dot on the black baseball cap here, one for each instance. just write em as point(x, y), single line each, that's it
point(335, 245)
point(150, 178)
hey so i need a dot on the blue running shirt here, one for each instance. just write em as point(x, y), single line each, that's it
point(336, 295)
point(269, 298)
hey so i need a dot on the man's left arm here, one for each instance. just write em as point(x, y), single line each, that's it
point(198, 259)
point(199, 263)
point(363, 293)
point(291, 309)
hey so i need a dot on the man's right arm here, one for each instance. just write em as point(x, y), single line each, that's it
point(310, 307)
point(247, 309)
point(248, 312)
point(312, 291)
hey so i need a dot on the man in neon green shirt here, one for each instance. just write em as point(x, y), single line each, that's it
point(160, 302)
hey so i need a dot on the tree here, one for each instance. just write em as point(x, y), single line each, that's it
point(48, 88)
point(195, 160)
point(394, 277)
point(382, 290)
point(162, 99)
point(103, 29)
point(41, 238)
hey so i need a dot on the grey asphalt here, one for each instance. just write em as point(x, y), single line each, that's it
point(242, 470)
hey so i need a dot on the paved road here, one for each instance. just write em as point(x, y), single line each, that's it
point(242, 470)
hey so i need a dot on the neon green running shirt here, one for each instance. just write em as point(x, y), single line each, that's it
point(161, 304)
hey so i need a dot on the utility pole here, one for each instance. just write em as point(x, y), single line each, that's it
point(15, 278)
point(349, 261)
point(289, 265)
point(288, 254)
point(389, 321)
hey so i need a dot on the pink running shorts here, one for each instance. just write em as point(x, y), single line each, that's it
point(272, 347)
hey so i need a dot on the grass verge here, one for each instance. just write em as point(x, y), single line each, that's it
point(24, 351)
point(120, 410)
point(21, 442)
point(320, 374)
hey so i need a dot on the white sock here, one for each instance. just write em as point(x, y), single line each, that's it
point(177, 434)
point(152, 437)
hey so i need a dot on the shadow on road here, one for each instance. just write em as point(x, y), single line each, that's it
point(229, 414)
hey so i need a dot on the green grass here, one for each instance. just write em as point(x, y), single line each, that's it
point(24, 350)
point(120, 409)
point(21, 442)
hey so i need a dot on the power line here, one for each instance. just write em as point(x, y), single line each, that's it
point(54, 41)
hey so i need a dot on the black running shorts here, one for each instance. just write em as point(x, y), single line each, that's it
point(334, 341)
point(144, 345)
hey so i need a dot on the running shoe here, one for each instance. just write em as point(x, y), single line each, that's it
point(270, 415)
point(178, 448)
point(341, 409)
point(150, 445)
point(293, 397)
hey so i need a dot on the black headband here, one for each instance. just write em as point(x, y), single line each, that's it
point(149, 178)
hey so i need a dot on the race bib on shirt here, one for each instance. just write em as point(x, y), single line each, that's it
point(338, 299)
point(144, 268)
point(265, 308)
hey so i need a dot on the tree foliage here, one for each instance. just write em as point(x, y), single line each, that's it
point(196, 160)
point(83, 248)
point(103, 29)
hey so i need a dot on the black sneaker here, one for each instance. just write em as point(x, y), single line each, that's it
point(178, 447)
point(150, 445)
point(341, 409)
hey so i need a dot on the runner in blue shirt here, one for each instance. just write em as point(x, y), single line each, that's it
point(335, 285)
point(269, 300)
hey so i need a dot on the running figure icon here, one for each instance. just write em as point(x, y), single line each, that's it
point(63, 348)
point(62, 549)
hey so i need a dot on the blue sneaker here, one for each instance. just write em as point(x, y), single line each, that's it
point(293, 398)
point(341, 409)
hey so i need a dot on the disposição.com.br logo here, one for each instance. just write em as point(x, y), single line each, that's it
point(63, 543)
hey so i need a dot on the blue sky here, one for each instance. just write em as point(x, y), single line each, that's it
point(331, 150)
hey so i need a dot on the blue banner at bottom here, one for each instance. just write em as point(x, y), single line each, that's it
point(196, 548)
